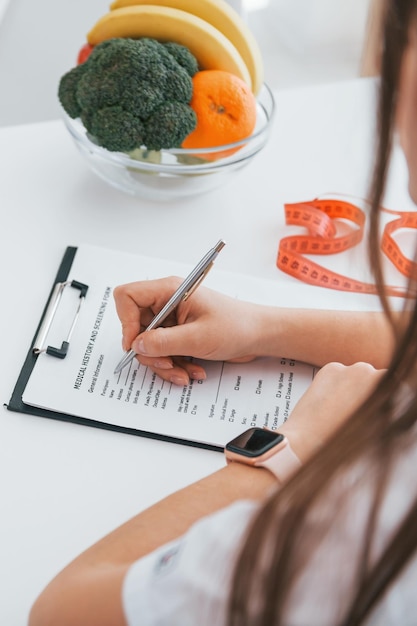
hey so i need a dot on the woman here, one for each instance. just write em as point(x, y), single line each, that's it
point(334, 544)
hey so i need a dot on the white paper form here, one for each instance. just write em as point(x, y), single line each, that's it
point(233, 397)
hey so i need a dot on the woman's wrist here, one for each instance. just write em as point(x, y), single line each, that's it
point(274, 331)
point(304, 444)
point(263, 333)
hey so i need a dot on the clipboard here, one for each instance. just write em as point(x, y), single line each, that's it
point(38, 346)
point(205, 415)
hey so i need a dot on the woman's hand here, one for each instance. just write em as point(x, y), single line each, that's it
point(213, 326)
point(335, 393)
point(208, 326)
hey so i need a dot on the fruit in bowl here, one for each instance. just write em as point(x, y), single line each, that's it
point(165, 175)
point(132, 92)
point(155, 78)
point(211, 29)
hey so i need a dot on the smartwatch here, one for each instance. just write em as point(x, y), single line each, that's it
point(261, 447)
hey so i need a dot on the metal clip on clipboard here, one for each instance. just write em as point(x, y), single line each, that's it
point(59, 353)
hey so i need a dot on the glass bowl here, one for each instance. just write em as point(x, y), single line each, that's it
point(177, 173)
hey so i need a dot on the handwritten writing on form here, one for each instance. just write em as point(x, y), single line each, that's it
point(233, 397)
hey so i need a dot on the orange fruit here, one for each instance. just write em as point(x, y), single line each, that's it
point(225, 108)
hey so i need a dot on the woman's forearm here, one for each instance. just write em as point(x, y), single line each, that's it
point(172, 516)
point(321, 336)
point(89, 590)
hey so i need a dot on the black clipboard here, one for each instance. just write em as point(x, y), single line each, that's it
point(16, 403)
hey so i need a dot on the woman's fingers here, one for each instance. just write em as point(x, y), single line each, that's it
point(208, 326)
point(184, 338)
point(177, 370)
point(137, 303)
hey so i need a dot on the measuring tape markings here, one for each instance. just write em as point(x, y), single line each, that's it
point(318, 217)
point(390, 247)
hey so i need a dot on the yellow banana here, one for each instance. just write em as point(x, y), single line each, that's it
point(210, 47)
point(222, 16)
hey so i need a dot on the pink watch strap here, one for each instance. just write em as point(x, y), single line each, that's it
point(283, 463)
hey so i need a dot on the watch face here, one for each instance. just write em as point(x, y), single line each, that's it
point(254, 442)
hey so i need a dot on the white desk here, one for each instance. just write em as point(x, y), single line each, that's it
point(63, 486)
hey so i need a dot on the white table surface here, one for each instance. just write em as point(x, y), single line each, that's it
point(62, 486)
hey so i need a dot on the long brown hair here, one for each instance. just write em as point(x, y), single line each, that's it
point(280, 539)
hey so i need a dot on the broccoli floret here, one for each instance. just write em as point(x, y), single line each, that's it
point(165, 128)
point(116, 129)
point(178, 86)
point(183, 56)
point(127, 72)
point(67, 91)
point(121, 91)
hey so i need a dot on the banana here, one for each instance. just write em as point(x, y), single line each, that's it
point(210, 47)
point(222, 16)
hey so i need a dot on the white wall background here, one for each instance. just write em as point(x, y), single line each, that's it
point(303, 42)
point(318, 24)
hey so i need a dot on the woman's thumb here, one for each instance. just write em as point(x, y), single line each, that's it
point(170, 341)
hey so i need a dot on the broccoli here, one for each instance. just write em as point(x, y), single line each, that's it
point(67, 91)
point(182, 56)
point(132, 92)
point(171, 119)
point(119, 129)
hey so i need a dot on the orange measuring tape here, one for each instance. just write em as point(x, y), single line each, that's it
point(320, 218)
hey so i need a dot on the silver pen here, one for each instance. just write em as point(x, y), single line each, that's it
point(183, 292)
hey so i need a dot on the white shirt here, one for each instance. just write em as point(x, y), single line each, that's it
point(187, 581)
